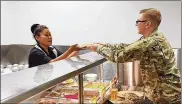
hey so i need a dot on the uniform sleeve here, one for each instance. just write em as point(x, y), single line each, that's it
point(117, 46)
point(125, 53)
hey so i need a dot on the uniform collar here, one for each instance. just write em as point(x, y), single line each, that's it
point(40, 48)
point(50, 48)
point(152, 34)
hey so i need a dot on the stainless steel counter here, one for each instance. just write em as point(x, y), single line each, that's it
point(16, 87)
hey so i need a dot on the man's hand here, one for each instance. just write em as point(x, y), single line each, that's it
point(92, 47)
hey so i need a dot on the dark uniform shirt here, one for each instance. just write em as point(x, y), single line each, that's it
point(161, 77)
point(39, 56)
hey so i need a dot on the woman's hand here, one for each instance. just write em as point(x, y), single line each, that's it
point(74, 53)
point(74, 48)
point(84, 46)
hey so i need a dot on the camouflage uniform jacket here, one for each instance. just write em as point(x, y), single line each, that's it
point(161, 77)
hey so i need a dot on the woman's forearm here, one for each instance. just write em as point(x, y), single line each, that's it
point(63, 56)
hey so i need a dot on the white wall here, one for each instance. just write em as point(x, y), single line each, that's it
point(82, 22)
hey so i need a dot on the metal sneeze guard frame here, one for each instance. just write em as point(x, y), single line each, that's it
point(18, 86)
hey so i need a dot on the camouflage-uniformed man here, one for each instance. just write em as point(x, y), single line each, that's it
point(161, 77)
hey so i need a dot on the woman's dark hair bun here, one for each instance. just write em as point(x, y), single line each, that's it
point(33, 27)
point(37, 28)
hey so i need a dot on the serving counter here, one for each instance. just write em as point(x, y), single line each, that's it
point(18, 86)
point(27, 85)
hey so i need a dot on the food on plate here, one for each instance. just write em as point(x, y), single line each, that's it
point(130, 93)
point(45, 93)
point(90, 94)
point(46, 101)
point(87, 94)
point(66, 91)
point(129, 102)
point(68, 81)
point(96, 85)
point(132, 96)
point(125, 102)
point(74, 96)
point(68, 101)
point(74, 84)
point(53, 95)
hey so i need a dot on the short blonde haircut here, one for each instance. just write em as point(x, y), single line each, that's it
point(153, 15)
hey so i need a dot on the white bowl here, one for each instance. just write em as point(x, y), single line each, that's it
point(91, 77)
point(10, 66)
point(15, 65)
point(14, 69)
point(7, 70)
point(21, 67)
